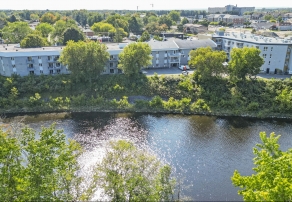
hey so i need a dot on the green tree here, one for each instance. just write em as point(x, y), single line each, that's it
point(128, 174)
point(39, 167)
point(33, 41)
point(94, 18)
point(12, 18)
point(165, 19)
point(45, 29)
point(59, 28)
point(16, 31)
point(208, 62)
point(73, 34)
point(103, 27)
point(85, 60)
point(174, 15)
point(145, 37)
point(272, 178)
point(34, 17)
point(48, 18)
point(133, 57)
point(184, 21)
point(81, 16)
point(134, 26)
point(245, 62)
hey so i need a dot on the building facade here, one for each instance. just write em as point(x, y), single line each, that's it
point(45, 61)
point(230, 9)
point(276, 52)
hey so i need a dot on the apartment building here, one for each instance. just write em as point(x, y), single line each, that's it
point(276, 52)
point(230, 9)
point(38, 61)
point(234, 19)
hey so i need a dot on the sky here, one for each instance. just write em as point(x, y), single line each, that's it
point(132, 4)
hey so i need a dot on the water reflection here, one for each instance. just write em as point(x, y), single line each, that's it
point(204, 151)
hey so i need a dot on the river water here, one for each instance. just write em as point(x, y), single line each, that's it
point(203, 151)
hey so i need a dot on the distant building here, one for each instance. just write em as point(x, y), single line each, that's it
point(234, 19)
point(195, 28)
point(230, 9)
point(88, 32)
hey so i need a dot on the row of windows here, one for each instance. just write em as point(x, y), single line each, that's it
point(265, 55)
point(39, 57)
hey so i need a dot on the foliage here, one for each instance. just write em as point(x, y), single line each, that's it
point(94, 18)
point(39, 169)
point(184, 21)
point(157, 38)
point(102, 27)
point(129, 174)
point(33, 41)
point(16, 31)
point(133, 57)
point(272, 178)
point(245, 62)
point(145, 36)
point(73, 34)
point(48, 18)
point(174, 16)
point(208, 62)
point(134, 25)
point(45, 29)
point(59, 28)
point(165, 19)
point(85, 60)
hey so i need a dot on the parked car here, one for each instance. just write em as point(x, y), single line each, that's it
point(182, 67)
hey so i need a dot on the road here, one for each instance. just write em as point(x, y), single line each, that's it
point(176, 71)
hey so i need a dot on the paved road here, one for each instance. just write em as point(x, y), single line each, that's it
point(174, 70)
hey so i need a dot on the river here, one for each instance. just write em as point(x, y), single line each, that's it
point(203, 151)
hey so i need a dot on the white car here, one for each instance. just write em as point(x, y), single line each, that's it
point(182, 67)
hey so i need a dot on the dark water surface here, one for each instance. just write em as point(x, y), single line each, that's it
point(204, 151)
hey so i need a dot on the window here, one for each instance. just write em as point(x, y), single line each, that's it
point(111, 64)
point(265, 48)
point(58, 71)
point(30, 65)
point(39, 57)
point(51, 71)
point(269, 62)
point(165, 51)
point(271, 48)
point(264, 55)
point(111, 57)
point(157, 65)
point(50, 64)
point(40, 64)
point(31, 72)
point(270, 55)
point(165, 58)
point(58, 64)
point(29, 58)
point(112, 71)
point(157, 59)
point(157, 52)
point(41, 71)
point(13, 65)
point(49, 57)
point(12, 58)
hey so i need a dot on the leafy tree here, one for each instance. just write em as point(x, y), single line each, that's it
point(34, 17)
point(33, 40)
point(81, 16)
point(152, 19)
point(245, 62)
point(184, 21)
point(174, 15)
point(12, 18)
point(94, 18)
point(45, 29)
point(134, 26)
point(180, 28)
point(39, 169)
point(48, 18)
point(145, 36)
point(128, 174)
point(165, 19)
point(59, 28)
point(118, 21)
point(119, 35)
point(133, 57)
point(103, 27)
point(208, 62)
point(16, 31)
point(272, 178)
point(73, 34)
point(85, 60)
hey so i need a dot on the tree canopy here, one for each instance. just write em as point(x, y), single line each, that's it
point(45, 29)
point(145, 37)
point(207, 62)
point(174, 15)
point(33, 40)
point(133, 57)
point(73, 34)
point(245, 62)
point(129, 174)
point(85, 60)
point(103, 27)
point(272, 178)
point(16, 31)
point(48, 18)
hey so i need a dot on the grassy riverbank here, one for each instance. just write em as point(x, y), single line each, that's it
point(166, 94)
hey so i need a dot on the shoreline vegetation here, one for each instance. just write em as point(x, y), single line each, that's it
point(175, 94)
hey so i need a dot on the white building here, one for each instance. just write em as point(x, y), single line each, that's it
point(275, 51)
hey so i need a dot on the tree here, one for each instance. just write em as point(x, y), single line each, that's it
point(245, 62)
point(94, 18)
point(165, 19)
point(184, 21)
point(12, 18)
point(174, 15)
point(73, 34)
point(208, 62)
point(85, 60)
point(134, 26)
point(48, 18)
point(133, 57)
point(119, 35)
point(39, 167)
point(272, 178)
point(81, 16)
point(145, 37)
point(16, 31)
point(34, 17)
point(59, 28)
point(103, 27)
point(45, 29)
point(128, 174)
point(33, 40)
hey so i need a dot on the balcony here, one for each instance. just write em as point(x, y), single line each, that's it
point(173, 61)
point(30, 61)
point(173, 54)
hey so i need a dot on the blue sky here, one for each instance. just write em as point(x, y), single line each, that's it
point(132, 4)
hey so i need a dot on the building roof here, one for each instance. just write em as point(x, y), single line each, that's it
point(192, 44)
point(162, 45)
